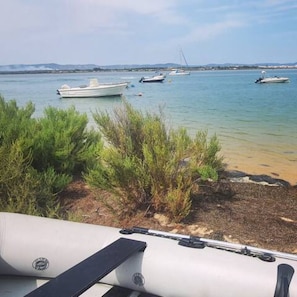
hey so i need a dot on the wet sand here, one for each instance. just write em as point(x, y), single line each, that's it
point(262, 163)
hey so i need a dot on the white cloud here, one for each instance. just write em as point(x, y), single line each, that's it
point(84, 29)
point(210, 31)
point(87, 14)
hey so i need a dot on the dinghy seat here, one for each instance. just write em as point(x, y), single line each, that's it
point(79, 278)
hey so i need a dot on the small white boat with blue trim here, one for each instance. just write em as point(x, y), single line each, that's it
point(153, 79)
point(42, 257)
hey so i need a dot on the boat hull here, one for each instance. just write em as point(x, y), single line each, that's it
point(154, 79)
point(179, 73)
point(165, 268)
point(272, 80)
point(102, 90)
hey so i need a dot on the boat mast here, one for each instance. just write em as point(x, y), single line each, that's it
point(183, 58)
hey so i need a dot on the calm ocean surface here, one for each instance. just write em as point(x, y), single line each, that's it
point(256, 124)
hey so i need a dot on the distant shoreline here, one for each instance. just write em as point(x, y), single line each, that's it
point(146, 69)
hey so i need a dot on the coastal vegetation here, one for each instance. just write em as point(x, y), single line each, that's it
point(39, 157)
point(133, 156)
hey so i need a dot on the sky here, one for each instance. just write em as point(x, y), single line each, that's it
point(112, 32)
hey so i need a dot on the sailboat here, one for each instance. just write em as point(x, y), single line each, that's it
point(180, 71)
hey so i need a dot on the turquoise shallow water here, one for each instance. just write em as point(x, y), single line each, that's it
point(256, 124)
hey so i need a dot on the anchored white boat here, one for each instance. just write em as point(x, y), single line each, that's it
point(156, 78)
point(181, 71)
point(274, 79)
point(94, 89)
point(45, 257)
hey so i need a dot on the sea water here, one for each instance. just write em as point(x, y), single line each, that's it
point(255, 123)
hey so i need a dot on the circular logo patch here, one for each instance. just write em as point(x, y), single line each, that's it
point(138, 279)
point(40, 264)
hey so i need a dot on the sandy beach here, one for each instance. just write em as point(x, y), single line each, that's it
point(261, 164)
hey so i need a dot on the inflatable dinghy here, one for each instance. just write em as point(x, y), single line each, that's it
point(47, 257)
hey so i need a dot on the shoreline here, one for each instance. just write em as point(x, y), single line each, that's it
point(61, 69)
point(264, 172)
point(253, 160)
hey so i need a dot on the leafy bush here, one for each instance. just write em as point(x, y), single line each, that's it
point(178, 203)
point(15, 123)
point(62, 142)
point(38, 157)
point(144, 164)
point(22, 188)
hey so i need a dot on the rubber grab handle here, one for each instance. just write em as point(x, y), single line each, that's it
point(284, 276)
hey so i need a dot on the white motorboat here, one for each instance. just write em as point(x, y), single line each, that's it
point(48, 257)
point(156, 78)
point(273, 79)
point(94, 89)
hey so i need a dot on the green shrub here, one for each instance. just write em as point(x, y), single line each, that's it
point(144, 164)
point(15, 122)
point(22, 188)
point(38, 157)
point(123, 177)
point(207, 172)
point(61, 141)
point(178, 203)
